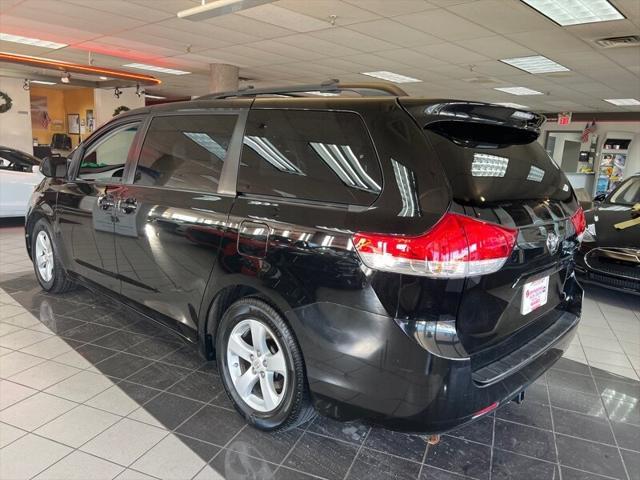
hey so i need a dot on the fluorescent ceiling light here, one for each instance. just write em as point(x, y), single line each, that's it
point(153, 68)
point(535, 64)
point(218, 8)
point(518, 90)
point(625, 102)
point(154, 97)
point(575, 12)
point(512, 105)
point(42, 82)
point(103, 78)
point(36, 42)
point(392, 77)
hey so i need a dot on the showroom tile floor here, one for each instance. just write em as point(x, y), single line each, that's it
point(89, 389)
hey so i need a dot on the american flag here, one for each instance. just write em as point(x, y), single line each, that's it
point(45, 120)
point(588, 130)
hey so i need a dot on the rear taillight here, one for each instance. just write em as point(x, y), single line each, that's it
point(579, 222)
point(457, 246)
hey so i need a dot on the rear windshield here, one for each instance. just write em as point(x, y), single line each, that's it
point(482, 174)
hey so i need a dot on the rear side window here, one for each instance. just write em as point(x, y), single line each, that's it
point(310, 155)
point(185, 152)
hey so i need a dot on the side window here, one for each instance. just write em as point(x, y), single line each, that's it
point(185, 152)
point(312, 155)
point(106, 158)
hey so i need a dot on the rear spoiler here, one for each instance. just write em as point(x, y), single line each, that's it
point(474, 123)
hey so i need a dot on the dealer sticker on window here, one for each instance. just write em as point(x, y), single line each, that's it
point(534, 295)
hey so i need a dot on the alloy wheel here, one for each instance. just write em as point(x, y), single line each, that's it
point(257, 365)
point(44, 256)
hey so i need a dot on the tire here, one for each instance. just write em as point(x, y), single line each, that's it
point(55, 279)
point(291, 398)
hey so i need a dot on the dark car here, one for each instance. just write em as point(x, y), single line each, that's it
point(610, 252)
point(402, 260)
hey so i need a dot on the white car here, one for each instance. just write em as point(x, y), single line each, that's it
point(19, 175)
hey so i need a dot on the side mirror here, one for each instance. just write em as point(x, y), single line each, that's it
point(54, 166)
point(600, 198)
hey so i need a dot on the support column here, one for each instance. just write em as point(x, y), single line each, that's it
point(223, 78)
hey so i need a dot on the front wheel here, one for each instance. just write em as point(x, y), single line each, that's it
point(47, 265)
point(262, 367)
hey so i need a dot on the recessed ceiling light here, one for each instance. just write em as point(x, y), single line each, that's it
point(623, 101)
point(154, 97)
point(36, 42)
point(535, 64)
point(103, 78)
point(392, 77)
point(153, 68)
point(512, 105)
point(575, 12)
point(518, 90)
point(42, 82)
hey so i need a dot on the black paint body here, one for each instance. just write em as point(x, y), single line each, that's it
point(397, 349)
point(612, 258)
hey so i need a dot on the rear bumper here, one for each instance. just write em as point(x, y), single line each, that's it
point(362, 365)
point(615, 277)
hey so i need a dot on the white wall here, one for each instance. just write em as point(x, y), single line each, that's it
point(633, 160)
point(602, 129)
point(558, 148)
point(106, 103)
point(15, 125)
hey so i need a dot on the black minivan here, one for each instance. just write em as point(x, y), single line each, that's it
point(402, 260)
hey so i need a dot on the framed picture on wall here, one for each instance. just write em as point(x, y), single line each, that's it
point(73, 123)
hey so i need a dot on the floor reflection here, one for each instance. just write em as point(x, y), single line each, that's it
point(576, 419)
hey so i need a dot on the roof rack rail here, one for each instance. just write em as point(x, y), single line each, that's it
point(329, 86)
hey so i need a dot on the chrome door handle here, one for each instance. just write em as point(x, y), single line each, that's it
point(106, 202)
point(128, 205)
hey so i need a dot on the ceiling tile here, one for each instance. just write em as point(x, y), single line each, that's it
point(629, 8)
point(549, 42)
point(372, 62)
point(262, 56)
point(452, 53)
point(317, 45)
point(204, 30)
point(345, 13)
point(73, 15)
point(496, 47)
point(410, 58)
point(41, 29)
point(344, 36)
point(170, 6)
point(285, 18)
point(244, 24)
point(395, 33)
point(388, 8)
point(443, 24)
point(290, 51)
point(503, 17)
point(126, 9)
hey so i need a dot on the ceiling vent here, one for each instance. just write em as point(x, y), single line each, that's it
point(615, 42)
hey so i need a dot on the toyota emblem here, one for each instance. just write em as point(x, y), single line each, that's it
point(552, 242)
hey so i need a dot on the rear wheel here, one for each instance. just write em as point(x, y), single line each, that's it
point(261, 366)
point(46, 262)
